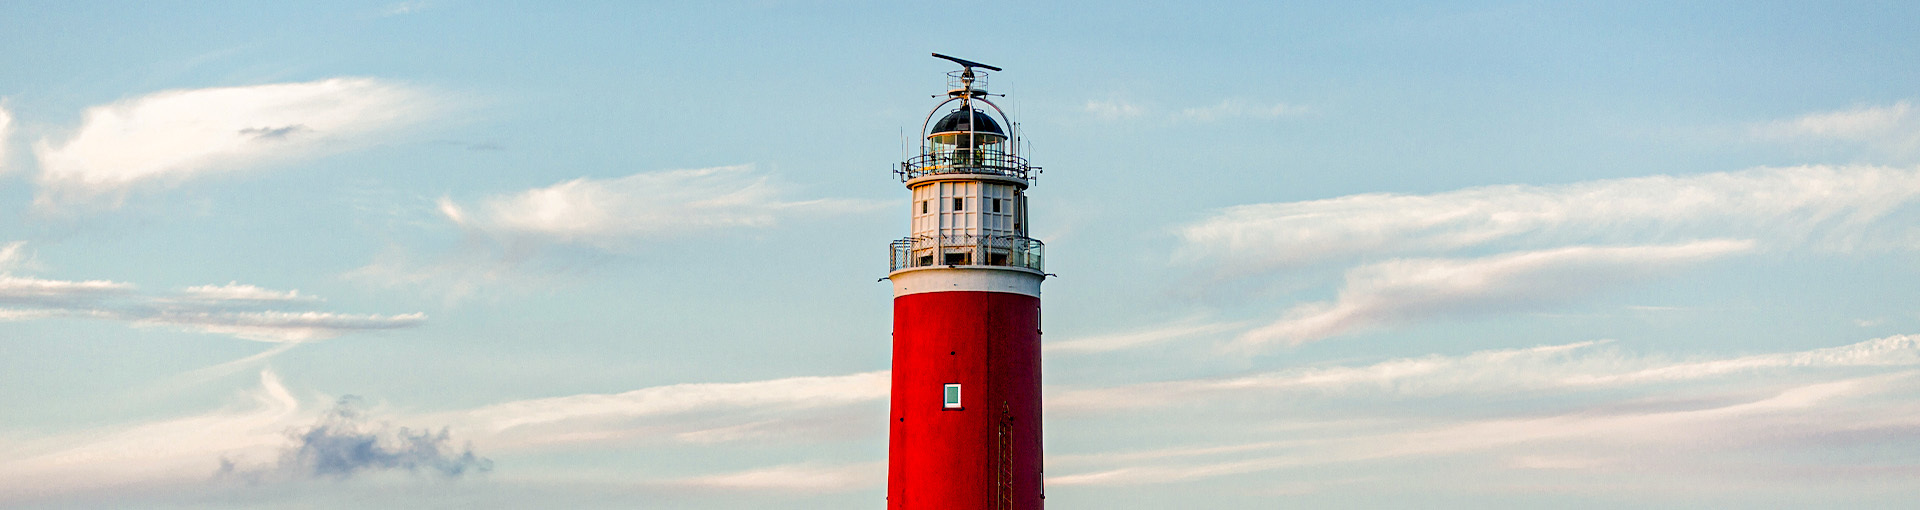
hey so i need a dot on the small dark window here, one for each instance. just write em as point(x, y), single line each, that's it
point(923, 207)
point(996, 205)
point(959, 204)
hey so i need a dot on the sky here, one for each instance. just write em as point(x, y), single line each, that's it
point(442, 253)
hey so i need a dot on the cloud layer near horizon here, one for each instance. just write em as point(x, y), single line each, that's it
point(172, 136)
point(1801, 395)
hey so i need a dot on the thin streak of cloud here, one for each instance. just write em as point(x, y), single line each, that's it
point(1827, 207)
point(278, 326)
point(1113, 109)
point(6, 137)
point(789, 393)
point(1235, 108)
point(23, 289)
point(1859, 123)
point(236, 292)
point(1227, 109)
point(536, 236)
point(1402, 291)
point(1136, 339)
point(614, 213)
point(243, 311)
point(1804, 411)
point(1573, 366)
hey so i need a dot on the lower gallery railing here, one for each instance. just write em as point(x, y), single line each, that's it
point(967, 250)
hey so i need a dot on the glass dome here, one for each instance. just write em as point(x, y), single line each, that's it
point(952, 130)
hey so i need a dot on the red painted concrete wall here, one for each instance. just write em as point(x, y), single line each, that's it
point(946, 459)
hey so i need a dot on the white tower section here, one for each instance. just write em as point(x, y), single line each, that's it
point(969, 187)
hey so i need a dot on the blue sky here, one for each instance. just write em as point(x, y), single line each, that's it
point(1474, 255)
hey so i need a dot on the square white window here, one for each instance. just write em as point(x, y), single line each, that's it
point(952, 397)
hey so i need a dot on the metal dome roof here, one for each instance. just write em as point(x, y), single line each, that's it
point(957, 121)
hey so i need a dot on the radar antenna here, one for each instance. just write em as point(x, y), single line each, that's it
point(969, 64)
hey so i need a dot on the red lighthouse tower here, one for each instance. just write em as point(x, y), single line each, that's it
point(965, 419)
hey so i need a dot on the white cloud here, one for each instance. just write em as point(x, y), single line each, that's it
point(171, 451)
point(1226, 109)
point(1574, 366)
point(237, 292)
point(1408, 290)
point(611, 213)
point(1113, 109)
point(22, 289)
point(1830, 207)
point(1234, 108)
point(1859, 123)
point(1688, 438)
point(244, 311)
point(172, 136)
point(1129, 340)
point(6, 136)
point(277, 326)
point(783, 394)
point(12, 255)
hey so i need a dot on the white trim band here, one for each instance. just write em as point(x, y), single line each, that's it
point(966, 279)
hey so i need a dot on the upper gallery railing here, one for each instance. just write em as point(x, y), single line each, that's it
point(967, 161)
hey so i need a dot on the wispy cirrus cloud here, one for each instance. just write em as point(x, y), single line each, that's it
point(275, 326)
point(177, 135)
point(1137, 339)
point(521, 237)
point(6, 137)
point(1227, 109)
point(235, 309)
point(1113, 109)
point(1707, 435)
point(12, 255)
point(1828, 207)
point(1894, 127)
point(1564, 367)
point(1408, 290)
point(614, 213)
point(681, 408)
point(1237, 108)
point(235, 292)
point(1628, 412)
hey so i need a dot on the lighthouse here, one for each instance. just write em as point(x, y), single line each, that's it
point(964, 427)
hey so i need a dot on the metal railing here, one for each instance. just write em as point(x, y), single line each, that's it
point(967, 161)
point(967, 250)
point(957, 80)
